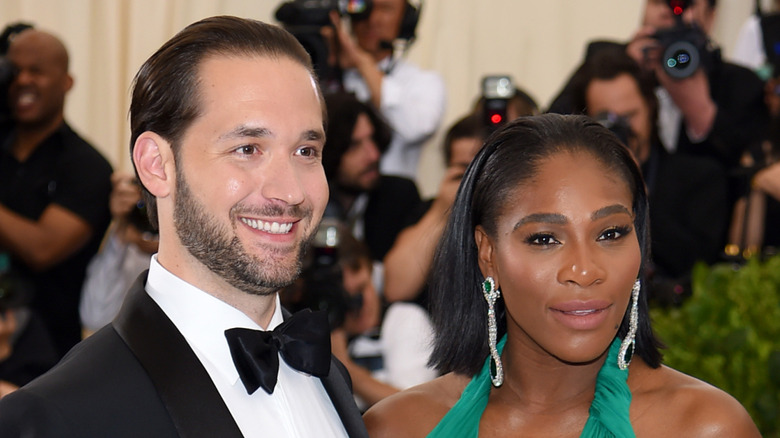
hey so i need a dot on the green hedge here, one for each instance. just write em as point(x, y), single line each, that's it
point(728, 334)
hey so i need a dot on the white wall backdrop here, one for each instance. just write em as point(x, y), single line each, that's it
point(538, 42)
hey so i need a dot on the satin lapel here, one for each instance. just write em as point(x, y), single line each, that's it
point(192, 400)
point(341, 395)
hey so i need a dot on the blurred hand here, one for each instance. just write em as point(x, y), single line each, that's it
point(125, 194)
point(342, 48)
point(448, 188)
point(644, 49)
point(338, 345)
point(692, 96)
point(768, 180)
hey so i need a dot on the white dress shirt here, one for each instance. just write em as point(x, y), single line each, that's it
point(299, 405)
point(749, 49)
point(413, 103)
point(404, 345)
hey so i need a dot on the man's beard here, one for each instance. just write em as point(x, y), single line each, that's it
point(224, 254)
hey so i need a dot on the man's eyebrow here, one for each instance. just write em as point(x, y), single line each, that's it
point(313, 135)
point(246, 131)
point(243, 131)
point(609, 210)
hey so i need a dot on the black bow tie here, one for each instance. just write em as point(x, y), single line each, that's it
point(303, 340)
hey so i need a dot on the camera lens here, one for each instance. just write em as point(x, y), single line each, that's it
point(681, 59)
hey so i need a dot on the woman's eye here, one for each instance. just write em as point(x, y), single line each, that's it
point(541, 239)
point(615, 233)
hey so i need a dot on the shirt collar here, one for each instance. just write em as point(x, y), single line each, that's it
point(202, 318)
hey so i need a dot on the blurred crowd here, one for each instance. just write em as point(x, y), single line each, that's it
point(705, 129)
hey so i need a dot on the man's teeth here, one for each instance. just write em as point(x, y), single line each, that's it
point(269, 227)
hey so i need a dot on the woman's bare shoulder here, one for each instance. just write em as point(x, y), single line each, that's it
point(666, 402)
point(416, 411)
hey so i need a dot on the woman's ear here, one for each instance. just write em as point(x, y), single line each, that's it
point(153, 160)
point(485, 253)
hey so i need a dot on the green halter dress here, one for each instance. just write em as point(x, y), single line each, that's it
point(608, 412)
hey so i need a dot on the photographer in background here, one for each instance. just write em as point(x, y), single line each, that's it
point(412, 100)
point(128, 246)
point(375, 207)
point(717, 110)
point(409, 261)
point(54, 186)
point(687, 194)
point(384, 350)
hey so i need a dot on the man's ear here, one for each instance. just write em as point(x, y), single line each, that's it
point(154, 162)
point(485, 253)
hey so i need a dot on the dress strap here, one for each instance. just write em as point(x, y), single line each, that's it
point(610, 407)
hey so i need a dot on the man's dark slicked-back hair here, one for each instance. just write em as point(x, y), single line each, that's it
point(511, 157)
point(166, 95)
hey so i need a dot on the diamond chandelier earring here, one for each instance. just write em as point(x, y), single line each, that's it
point(491, 294)
point(628, 346)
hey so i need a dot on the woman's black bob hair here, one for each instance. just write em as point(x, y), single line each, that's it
point(510, 157)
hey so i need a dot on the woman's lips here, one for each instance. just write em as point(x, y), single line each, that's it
point(581, 315)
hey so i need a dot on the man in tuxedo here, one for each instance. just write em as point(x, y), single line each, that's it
point(227, 135)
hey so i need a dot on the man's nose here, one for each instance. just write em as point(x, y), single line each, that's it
point(281, 182)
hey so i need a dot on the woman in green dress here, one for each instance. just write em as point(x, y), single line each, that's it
point(539, 305)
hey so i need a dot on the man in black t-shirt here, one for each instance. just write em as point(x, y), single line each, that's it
point(54, 186)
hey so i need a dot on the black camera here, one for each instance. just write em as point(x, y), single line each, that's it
point(305, 19)
point(683, 46)
point(497, 90)
point(322, 278)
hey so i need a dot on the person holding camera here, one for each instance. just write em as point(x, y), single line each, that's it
point(54, 186)
point(714, 108)
point(408, 262)
point(128, 246)
point(687, 194)
point(412, 100)
point(385, 349)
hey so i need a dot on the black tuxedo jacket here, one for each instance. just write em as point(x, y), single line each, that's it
point(138, 377)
